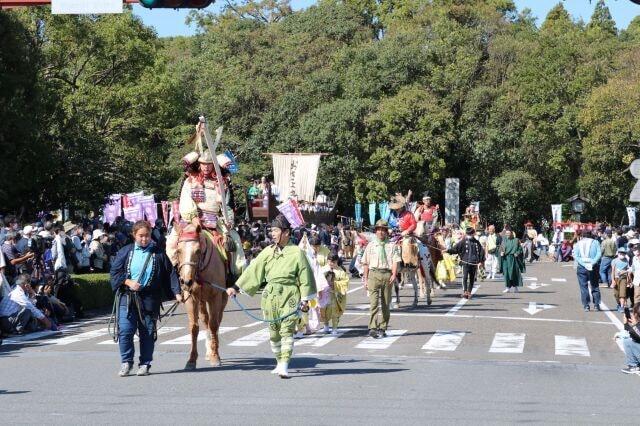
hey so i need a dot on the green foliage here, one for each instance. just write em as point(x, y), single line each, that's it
point(93, 290)
point(402, 94)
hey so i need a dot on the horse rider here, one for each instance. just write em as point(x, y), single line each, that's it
point(409, 251)
point(427, 212)
point(202, 204)
point(290, 286)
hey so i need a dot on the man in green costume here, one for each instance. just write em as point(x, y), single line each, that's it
point(290, 284)
point(511, 261)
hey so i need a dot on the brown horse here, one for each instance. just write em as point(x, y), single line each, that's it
point(200, 266)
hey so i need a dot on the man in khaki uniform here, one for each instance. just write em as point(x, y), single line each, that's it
point(380, 261)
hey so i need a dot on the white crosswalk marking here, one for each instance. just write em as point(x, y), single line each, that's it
point(253, 339)
point(162, 331)
point(79, 337)
point(444, 340)
point(559, 280)
point(30, 336)
point(202, 335)
point(381, 343)
point(508, 343)
point(319, 340)
point(566, 345)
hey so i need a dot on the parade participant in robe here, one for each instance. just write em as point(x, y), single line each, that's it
point(289, 285)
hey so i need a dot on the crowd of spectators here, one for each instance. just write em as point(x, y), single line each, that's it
point(38, 259)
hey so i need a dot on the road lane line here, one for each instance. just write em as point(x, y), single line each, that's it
point(79, 337)
point(253, 324)
point(202, 335)
point(575, 346)
point(27, 337)
point(507, 343)
point(355, 289)
point(319, 340)
point(253, 339)
point(162, 331)
point(559, 280)
point(615, 321)
point(444, 340)
point(425, 314)
point(461, 303)
point(381, 343)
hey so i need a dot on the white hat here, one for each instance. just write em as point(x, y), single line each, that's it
point(97, 233)
point(205, 158)
point(631, 234)
point(223, 160)
point(634, 241)
point(191, 157)
point(27, 230)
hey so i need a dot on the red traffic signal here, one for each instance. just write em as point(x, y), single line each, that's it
point(176, 4)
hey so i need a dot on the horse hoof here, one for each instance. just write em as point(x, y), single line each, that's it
point(190, 366)
point(216, 363)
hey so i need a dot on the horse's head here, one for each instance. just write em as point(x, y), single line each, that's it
point(189, 250)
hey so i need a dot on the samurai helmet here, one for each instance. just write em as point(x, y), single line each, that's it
point(280, 222)
point(206, 158)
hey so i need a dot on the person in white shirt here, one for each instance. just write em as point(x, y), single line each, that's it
point(17, 310)
point(543, 245)
point(23, 243)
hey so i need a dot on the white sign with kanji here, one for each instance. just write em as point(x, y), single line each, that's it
point(85, 7)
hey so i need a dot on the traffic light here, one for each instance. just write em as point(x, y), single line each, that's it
point(176, 4)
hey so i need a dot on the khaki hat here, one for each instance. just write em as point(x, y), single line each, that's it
point(381, 224)
point(68, 226)
point(397, 202)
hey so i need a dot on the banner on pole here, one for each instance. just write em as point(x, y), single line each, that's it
point(556, 213)
point(133, 214)
point(291, 211)
point(112, 209)
point(452, 201)
point(385, 211)
point(372, 214)
point(631, 212)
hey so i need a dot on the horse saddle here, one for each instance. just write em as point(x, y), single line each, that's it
point(410, 252)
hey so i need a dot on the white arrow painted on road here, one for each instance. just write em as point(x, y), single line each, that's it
point(535, 286)
point(534, 308)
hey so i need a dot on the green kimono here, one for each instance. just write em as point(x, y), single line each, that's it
point(512, 262)
point(289, 280)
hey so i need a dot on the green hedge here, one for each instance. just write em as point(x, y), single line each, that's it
point(94, 290)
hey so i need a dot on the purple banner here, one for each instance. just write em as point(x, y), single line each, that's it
point(112, 209)
point(133, 214)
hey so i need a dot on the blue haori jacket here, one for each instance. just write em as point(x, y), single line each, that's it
point(164, 283)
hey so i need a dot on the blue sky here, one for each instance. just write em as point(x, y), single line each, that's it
point(168, 22)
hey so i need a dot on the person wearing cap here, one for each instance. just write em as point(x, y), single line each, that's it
point(12, 257)
point(608, 248)
point(338, 286)
point(471, 255)
point(622, 285)
point(587, 254)
point(96, 251)
point(380, 262)
point(23, 243)
point(427, 212)
point(290, 286)
point(406, 221)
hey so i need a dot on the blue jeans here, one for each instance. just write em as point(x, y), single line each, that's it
point(631, 351)
point(129, 324)
point(585, 278)
point(605, 270)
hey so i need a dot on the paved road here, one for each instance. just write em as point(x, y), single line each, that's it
point(497, 358)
